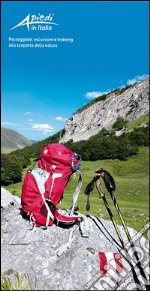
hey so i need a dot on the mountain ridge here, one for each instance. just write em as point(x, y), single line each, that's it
point(130, 103)
point(11, 139)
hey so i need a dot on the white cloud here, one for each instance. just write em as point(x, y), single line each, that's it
point(122, 86)
point(10, 123)
point(46, 131)
point(60, 118)
point(27, 113)
point(30, 120)
point(41, 126)
point(95, 94)
point(137, 78)
point(45, 128)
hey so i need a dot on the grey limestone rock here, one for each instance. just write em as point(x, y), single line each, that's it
point(61, 258)
point(130, 105)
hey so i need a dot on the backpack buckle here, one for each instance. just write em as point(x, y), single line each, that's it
point(78, 164)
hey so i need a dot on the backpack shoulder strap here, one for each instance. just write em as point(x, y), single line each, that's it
point(41, 177)
point(76, 193)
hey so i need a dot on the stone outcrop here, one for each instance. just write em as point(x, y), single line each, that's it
point(62, 258)
point(130, 105)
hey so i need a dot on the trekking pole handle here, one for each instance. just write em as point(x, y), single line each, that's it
point(72, 162)
point(99, 188)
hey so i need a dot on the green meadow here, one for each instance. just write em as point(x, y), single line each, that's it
point(132, 189)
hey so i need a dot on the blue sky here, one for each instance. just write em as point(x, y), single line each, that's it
point(99, 46)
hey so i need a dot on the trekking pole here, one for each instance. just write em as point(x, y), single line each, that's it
point(110, 185)
point(119, 212)
point(89, 188)
point(114, 223)
point(128, 236)
point(102, 195)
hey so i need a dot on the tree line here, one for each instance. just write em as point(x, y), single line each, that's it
point(104, 145)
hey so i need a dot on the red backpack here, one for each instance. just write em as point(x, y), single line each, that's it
point(43, 187)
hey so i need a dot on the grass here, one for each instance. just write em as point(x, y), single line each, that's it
point(132, 195)
point(132, 189)
point(7, 151)
point(18, 282)
point(137, 122)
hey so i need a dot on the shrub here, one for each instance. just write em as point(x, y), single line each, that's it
point(120, 123)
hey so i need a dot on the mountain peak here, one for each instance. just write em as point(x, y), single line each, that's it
point(130, 103)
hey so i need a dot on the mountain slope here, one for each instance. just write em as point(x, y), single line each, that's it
point(11, 139)
point(130, 103)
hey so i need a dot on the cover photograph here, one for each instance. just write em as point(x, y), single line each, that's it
point(75, 145)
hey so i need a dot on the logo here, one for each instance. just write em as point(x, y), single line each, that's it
point(45, 151)
point(40, 22)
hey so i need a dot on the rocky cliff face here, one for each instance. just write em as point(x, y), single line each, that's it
point(131, 104)
point(63, 259)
